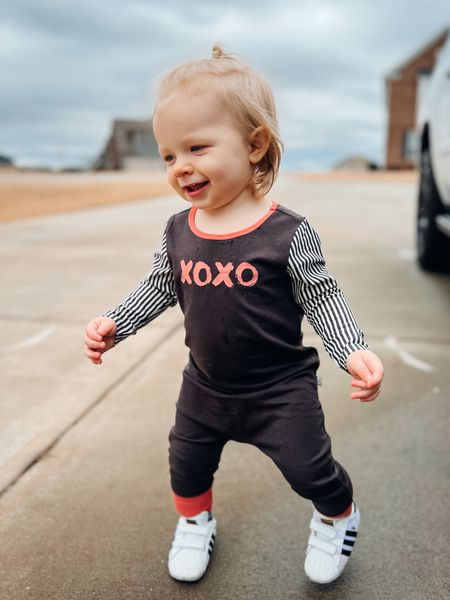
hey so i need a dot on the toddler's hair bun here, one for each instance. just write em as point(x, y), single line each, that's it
point(217, 51)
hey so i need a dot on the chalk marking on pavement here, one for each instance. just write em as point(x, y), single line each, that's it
point(33, 340)
point(406, 357)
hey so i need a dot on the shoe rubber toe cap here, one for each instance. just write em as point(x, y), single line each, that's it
point(187, 566)
point(319, 567)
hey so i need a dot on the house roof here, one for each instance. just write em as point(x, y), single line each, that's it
point(437, 41)
point(128, 138)
point(133, 136)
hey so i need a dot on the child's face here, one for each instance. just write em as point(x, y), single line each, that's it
point(201, 143)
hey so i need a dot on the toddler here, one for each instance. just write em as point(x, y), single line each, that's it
point(245, 270)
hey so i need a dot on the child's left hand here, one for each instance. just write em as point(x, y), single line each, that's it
point(368, 370)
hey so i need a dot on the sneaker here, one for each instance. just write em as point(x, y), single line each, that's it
point(330, 545)
point(192, 545)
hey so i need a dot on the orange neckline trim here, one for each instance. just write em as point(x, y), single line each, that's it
point(227, 236)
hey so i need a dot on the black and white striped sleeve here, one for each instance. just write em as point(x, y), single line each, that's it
point(154, 294)
point(323, 303)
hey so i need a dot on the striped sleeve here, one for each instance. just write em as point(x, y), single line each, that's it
point(322, 301)
point(154, 294)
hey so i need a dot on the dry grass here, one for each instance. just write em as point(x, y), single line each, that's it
point(25, 195)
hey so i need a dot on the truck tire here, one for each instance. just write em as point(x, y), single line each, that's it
point(433, 247)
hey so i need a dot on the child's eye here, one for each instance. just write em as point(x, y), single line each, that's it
point(197, 148)
point(168, 158)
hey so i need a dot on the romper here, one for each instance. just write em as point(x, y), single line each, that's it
point(249, 378)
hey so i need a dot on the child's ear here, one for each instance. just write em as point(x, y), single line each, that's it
point(258, 144)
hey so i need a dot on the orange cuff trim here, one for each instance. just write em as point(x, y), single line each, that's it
point(189, 507)
point(346, 513)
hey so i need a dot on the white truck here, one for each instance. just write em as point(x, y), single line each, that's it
point(433, 134)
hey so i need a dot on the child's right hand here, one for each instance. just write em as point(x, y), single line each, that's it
point(99, 336)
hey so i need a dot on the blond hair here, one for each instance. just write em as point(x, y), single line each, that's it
point(245, 92)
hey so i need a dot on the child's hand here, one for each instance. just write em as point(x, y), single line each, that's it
point(99, 337)
point(368, 369)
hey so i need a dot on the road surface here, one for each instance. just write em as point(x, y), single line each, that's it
point(86, 510)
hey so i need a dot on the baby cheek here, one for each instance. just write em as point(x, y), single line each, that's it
point(171, 176)
point(222, 172)
point(173, 183)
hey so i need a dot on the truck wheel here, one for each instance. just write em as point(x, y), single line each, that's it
point(433, 247)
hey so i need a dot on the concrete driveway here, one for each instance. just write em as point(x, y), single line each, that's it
point(86, 509)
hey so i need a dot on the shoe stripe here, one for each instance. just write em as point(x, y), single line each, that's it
point(349, 542)
point(213, 537)
point(351, 533)
point(347, 547)
point(209, 551)
point(346, 552)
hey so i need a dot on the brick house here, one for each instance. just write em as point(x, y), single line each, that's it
point(131, 146)
point(405, 88)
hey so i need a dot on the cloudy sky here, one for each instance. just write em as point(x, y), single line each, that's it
point(67, 68)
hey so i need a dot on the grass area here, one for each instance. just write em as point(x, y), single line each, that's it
point(25, 195)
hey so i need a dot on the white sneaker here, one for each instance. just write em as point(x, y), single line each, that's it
point(330, 545)
point(192, 545)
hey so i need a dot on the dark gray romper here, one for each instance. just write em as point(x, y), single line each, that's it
point(249, 377)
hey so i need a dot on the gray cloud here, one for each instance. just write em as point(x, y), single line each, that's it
point(68, 68)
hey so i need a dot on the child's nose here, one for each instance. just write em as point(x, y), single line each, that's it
point(183, 168)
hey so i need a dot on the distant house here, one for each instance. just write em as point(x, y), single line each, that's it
point(6, 161)
point(131, 146)
point(355, 163)
point(405, 89)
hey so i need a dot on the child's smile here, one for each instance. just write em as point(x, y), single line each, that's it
point(196, 189)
